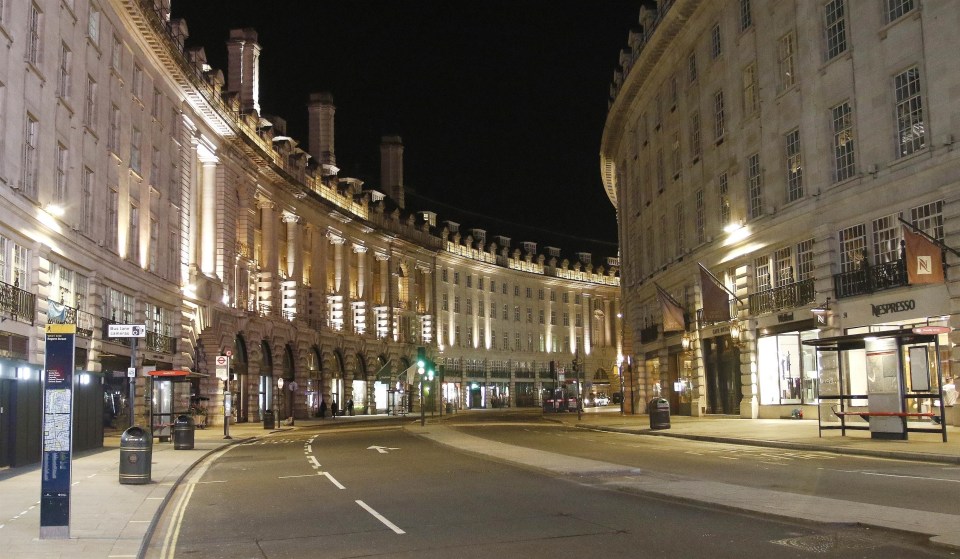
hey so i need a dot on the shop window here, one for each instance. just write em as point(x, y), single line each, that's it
point(787, 369)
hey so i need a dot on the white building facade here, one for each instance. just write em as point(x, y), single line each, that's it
point(778, 145)
point(142, 186)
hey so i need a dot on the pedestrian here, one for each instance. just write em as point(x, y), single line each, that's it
point(350, 407)
point(333, 408)
point(323, 409)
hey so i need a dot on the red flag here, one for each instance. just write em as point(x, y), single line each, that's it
point(716, 301)
point(924, 259)
point(672, 312)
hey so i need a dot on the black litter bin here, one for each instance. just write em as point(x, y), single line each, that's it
point(659, 410)
point(183, 434)
point(268, 421)
point(136, 454)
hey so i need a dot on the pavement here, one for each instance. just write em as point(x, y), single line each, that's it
point(113, 520)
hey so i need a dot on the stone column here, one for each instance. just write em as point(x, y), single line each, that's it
point(208, 213)
point(294, 264)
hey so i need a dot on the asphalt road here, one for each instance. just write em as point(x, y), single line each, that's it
point(363, 491)
point(921, 486)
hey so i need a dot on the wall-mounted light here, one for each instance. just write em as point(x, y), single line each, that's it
point(736, 330)
point(686, 341)
point(823, 308)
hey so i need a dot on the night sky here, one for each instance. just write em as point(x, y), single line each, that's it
point(500, 104)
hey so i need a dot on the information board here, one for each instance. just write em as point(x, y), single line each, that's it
point(57, 432)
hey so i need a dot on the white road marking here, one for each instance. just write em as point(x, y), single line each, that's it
point(891, 475)
point(313, 461)
point(380, 517)
point(381, 449)
point(302, 475)
point(332, 480)
point(212, 481)
point(774, 463)
point(728, 457)
point(309, 449)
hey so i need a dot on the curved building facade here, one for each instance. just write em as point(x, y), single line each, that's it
point(767, 160)
point(142, 186)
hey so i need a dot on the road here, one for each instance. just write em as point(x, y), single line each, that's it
point(380, 491)
point(924, 487)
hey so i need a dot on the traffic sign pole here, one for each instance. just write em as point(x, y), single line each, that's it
point(132, 380)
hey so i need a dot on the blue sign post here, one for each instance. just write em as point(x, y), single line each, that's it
point(57, 432)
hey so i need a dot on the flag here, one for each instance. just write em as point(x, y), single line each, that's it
point(672, 311)
point(716, 301)
point(924, 259)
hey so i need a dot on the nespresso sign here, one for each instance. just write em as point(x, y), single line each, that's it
point(896, 306)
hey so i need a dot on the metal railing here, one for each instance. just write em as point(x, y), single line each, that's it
point(58, 313)
point(155, 341)
point(869, 279)
point(649, 334)
point(784, 297)
point(17, 304)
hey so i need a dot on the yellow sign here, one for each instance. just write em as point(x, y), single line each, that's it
point(61, 328)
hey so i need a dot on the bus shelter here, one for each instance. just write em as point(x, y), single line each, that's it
point(892, 381)
point(170, 398)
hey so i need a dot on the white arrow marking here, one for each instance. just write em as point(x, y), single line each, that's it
point(381, 449)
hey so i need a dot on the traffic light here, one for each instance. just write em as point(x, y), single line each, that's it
point(421, 359)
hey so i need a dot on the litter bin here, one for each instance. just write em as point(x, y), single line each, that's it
point(268, 421)
point(136, 454)
point(183, 434)
point(449, 408)
point(659, 411)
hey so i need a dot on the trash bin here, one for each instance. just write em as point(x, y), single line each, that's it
point(659, 411)
point(268, 421)
point(449, 407)
point(183, 434)
point(136, 454)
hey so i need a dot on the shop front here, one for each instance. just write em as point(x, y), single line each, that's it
point(786, 370)
point(722, 376)
point(921, 307)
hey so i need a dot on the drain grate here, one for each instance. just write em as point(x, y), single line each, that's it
point(826, 543)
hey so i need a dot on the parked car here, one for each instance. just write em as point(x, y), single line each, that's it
point(601, 400)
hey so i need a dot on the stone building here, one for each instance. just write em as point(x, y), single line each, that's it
point(142, 186)
point(777, 145)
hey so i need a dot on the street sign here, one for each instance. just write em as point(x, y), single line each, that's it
point(223, 367)
point(126, 331)
point(131, 372)
point(222, 361)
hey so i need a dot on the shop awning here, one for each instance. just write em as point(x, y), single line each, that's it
point(173, 373)
point(857, 341)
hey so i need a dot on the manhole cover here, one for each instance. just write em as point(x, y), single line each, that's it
point(825, 543)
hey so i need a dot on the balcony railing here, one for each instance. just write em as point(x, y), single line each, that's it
point(784, 297)
point(158, 342)
point(64, 314)
point(869, 279)
point(17, 303)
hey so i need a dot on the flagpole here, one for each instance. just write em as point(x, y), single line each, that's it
point(916, 229)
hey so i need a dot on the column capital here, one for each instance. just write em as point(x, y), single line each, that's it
point(264, 204)
point(290, 218)
point(381, 256)
point(359, 249)
point(335, 239)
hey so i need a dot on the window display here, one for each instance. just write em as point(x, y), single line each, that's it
point(787, 370)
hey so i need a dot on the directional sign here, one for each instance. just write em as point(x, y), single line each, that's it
point(126, 330)
point(223, 367)
point(381, 449)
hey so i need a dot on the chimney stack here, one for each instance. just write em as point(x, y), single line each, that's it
point(320, 111)
point(391, 167)
point(243, 68)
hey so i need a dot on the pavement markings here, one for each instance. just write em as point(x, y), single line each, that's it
point(380, 517)
point(332, 480)
point(212, 481)
point(313, 461)
point(301, 475)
